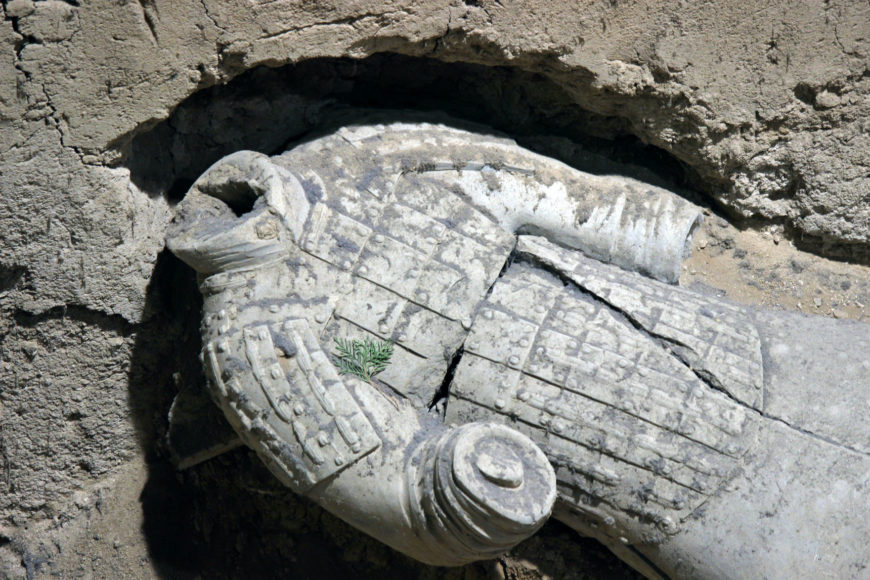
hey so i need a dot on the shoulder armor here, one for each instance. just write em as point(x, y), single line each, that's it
point(281, 392)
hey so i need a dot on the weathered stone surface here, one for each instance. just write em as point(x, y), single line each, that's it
point(656, 405)
point(767, 111)
point(630, 404)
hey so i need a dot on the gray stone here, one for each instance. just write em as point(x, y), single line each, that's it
point(689, 435)
point(659, 408)
point(286, 276)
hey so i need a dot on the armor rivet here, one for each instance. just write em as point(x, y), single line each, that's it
point(363, 270)
point(263, 335)
point(609, 520)
point(540, 309)
point(339, 460)
point(513, 360)
point(533, 368)
point(558, 427)
point(473, 345)
point(623, 539)
point(622, 363)
point(402, 337)
point(544, 420)
point(423, 295)
point(346, 264)
point(362, 230)
point(276, 372)
point(322, 439)
point(222, 347)
point(572, 344)
point(487, 314)
point(267, 230)
point(222, 313)
point(732, 449)
point(356, 447)
point(299, 409)
point(500, 403)
point(503, 468)
point(383, 329)
point(372, 211)
point(320, 317)
point(524, 342)
point(431, 241)
point(274, 308)
point(413, 273)
point(643, 371)
point(539, 351)
point(378, 238)
point(586, 349)
point(523, 396)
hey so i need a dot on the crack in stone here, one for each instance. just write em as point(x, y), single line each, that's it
point(20, 42)
point(347, 21)
point(664, 342)
point(209, 15)
point(147, 7)
point(77, 313)
point(816, 436)
point(52, 118)
point(440, 39)
point(443, 393)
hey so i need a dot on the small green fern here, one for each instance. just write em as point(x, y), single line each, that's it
point(362, 358)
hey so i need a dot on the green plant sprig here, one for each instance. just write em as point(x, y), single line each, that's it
point(362, 358)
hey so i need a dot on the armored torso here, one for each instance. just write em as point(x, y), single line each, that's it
point(686, 433)
point(625, 391)
point(389, 255)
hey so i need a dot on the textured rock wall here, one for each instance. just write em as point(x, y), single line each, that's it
point(106, 113)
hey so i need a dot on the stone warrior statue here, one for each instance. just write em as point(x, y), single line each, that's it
point(540, 355)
